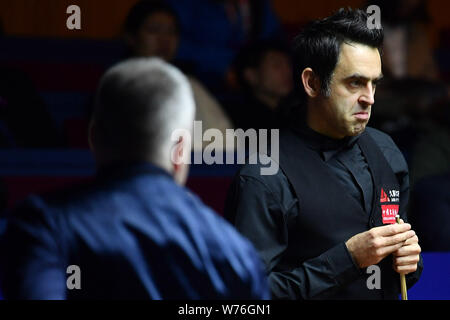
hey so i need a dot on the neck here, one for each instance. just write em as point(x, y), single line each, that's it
point(106, 161)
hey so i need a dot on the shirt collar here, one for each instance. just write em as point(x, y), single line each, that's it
point(126, 169)
point(326, 146)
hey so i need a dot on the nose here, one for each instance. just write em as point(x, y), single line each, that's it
point(367, 97)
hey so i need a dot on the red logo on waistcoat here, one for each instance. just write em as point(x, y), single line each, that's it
point(384, 197)
point(388, 212)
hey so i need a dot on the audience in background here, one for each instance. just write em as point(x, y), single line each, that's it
point(24, 119)
point(152, 29)
point(264, 73)
point(402, 109)
point(431, 153)
point(407, 49)
point(213, 31)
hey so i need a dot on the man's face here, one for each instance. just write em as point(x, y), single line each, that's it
point(274, 75)
point(157, 37)
point(347, 110)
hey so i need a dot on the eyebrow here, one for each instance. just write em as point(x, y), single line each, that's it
point(361, 77)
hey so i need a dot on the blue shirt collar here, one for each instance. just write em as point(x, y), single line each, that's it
point(125, 169)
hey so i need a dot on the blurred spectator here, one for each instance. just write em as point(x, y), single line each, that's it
point(264, 73)
point(431, 154)
point(152, 29)
point(407, 50)
point(402, 108)
point(213, 31)
point(24, 119)
point(430, 178)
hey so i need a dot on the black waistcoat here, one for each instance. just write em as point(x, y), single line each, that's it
point(328, 215)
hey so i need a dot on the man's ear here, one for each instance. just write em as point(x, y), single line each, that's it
point(310, 82)
point(181, 147)
point(178, 154)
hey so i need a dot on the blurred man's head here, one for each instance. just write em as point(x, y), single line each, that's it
point(152, 29)
point(139, 104)
point(265, 69)
point(338, 64)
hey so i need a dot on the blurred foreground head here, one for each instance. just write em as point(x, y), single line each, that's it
point(139, 104)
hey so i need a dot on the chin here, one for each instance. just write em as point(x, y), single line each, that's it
point(358, 129)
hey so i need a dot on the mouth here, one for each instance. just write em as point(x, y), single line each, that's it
point(361, 115)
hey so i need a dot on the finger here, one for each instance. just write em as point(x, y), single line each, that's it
point(407, 250)
point(405, 269)
point(387, 250)
point(399, 238)
point(391, 230)
point(407, 260)
point(412, 240)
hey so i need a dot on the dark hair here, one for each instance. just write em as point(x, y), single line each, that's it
point(252, 55)
point(138, 104)
point(144, 8)
point(319, 44)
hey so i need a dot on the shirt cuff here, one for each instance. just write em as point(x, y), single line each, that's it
point(342, 264)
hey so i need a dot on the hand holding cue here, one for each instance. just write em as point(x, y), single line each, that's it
point(402, 276)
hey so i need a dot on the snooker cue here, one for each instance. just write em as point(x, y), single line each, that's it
point(402, 276)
